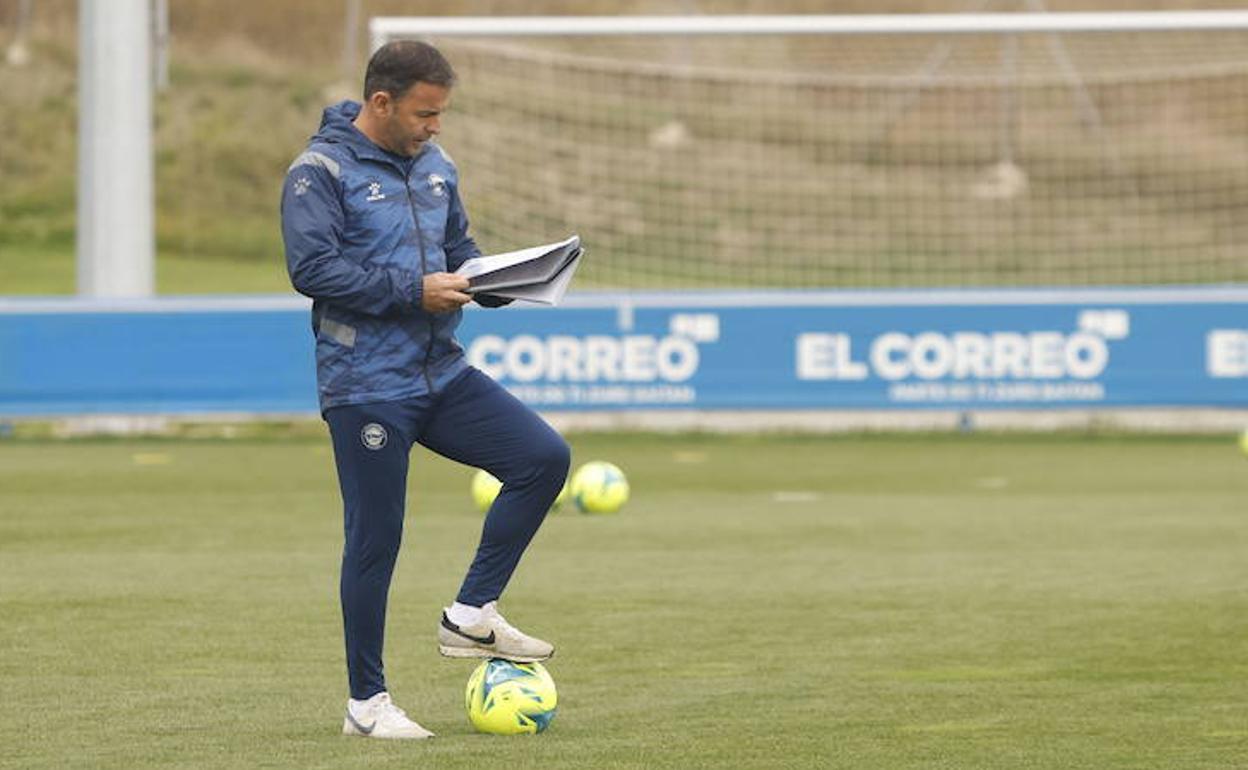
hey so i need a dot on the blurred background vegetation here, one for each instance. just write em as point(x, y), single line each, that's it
point(248, 81)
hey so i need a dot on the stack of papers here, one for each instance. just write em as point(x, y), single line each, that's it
point(537, 274)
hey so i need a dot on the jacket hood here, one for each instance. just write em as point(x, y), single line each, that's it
point(336, 124)
point(337, 127)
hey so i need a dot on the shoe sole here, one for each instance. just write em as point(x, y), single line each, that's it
point(348, 730)
point(480, 652)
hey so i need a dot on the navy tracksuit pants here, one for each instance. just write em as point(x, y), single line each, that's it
point(473, 421)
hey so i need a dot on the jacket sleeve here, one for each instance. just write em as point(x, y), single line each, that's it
point(460, 247)
point(312, 226)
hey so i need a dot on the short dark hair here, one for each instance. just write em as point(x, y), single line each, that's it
point(400, 64)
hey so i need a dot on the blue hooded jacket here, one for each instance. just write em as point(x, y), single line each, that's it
point(362, 226)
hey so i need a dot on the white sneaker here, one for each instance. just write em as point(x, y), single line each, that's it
point(377, 717)
point(491, 637)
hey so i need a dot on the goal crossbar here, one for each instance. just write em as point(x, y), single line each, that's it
point(384, 28)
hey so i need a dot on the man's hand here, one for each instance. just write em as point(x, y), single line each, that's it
point(442, 292)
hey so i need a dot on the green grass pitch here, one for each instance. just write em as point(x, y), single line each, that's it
point(762, 602)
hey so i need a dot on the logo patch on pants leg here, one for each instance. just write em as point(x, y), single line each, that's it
point(373, 435)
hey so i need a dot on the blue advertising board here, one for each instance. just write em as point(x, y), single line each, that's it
point(1015, 349)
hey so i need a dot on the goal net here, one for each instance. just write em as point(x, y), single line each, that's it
point(1059, 158)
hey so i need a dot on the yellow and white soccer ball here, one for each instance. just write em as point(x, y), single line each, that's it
point(485, 488)
point(599, 487)
point(560, 499)
point(506, 698)
point(1243, 441)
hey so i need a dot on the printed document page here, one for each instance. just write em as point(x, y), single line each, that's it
point(494, 262)
point(547, 292)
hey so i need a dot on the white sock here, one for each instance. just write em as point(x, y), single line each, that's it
point(366, 701)
point(464, 614)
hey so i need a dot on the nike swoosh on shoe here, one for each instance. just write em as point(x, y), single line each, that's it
point(454, 629)
point(356, 723)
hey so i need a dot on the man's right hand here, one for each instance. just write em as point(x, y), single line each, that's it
point(443, 292)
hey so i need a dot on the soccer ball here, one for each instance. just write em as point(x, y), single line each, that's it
point(506, 698)
point(484, 489)
point(560, 499)
point(1243, 441)
point(599, 487)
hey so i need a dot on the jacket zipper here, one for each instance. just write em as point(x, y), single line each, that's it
point(420, 240)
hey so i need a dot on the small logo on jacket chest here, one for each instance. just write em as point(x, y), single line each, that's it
point(374, 191)
point(437, 184)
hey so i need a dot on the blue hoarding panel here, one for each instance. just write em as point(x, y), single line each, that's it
point(796, 350)
point(155, 361)
point(875, 357)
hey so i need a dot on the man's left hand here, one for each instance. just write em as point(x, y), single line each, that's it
point(443, 292)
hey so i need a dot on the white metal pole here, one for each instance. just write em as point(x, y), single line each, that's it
point(115, 200)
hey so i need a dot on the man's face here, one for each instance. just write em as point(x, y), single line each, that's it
point(415, 118)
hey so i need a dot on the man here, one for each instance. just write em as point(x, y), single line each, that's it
point(374, 230)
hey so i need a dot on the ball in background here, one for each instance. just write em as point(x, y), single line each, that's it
point(560, 499)
point(506, 698)
point(1243, 441)
point(599, 487)
point(484, 489)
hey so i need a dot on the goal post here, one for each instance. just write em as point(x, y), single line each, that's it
point(974, 149)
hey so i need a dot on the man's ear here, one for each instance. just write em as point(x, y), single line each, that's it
point(379, 103)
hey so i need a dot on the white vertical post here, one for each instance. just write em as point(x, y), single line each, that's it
point(160, 36)
point(115, 200)
point(18, 54)
point(351, 41)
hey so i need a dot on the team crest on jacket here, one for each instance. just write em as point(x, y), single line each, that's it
point(374, 191)
point(437, 184)
point(374, 436)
